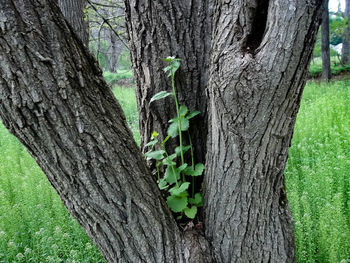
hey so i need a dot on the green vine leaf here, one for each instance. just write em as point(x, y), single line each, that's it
point(192, 114)
point(168, 161)
point(172, 174)
point(182, 167)
point(160, 95)
point(183, 110)
point(173, 129)
point(184, 149)
point(197, 200)
point(191, 212)
point(162, 184)
point(152, 143)
point(156, 155)
point(179, 190)
point(196, 172)
point(185, 124)
point(177, 203)
point(154, 134)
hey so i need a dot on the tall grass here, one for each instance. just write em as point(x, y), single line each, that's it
point(35, 227)
point(318, 174)
point(127, 99)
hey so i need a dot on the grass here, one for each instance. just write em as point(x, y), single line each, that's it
point(127, 99)
point(35, 227)
point(317, 174)
point(114, 78)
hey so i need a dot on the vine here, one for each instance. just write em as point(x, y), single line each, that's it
point(177, 171)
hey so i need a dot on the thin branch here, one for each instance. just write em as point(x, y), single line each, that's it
point(107, 22)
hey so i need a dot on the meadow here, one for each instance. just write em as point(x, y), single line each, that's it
point(35, 227)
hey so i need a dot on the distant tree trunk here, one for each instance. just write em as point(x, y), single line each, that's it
point(326, 59)
point(54, 99)
point(345, 54)
point(73, 11)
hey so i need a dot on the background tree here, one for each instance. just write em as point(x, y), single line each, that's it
point(326, 58)
point(74, 12)
point(55, 101)
point(107, 32)
point(345, 56)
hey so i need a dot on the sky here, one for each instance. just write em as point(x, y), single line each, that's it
point(333, 5)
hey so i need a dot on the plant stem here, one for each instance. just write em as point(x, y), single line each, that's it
point(190, 140)
point(172, 166)
point(178, 118)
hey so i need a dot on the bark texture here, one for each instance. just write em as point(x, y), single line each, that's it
point(73, 11)
point(326, 58)
point(158, 29)
point(258, 67)
point(54, 99)
point(345, 55)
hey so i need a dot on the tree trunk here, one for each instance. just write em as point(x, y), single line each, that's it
point(73, 11)
point(326, 58)
point(54, 99)
point(259, 62)
point(158, 29)
point(345, 53)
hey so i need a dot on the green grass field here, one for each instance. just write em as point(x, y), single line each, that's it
point(35, 227)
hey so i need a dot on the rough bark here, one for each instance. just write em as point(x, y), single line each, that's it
point(345, 55)
point(158, 29)
point(258, 69)
point(54, 99)
point(326, 58)
point(73, 11)
point(116, 49)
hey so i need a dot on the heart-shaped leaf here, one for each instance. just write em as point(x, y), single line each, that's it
point(173, 129)
point(183, 110)
point(179, 190)
point(177, 203)
point(197, 200)
point(191, 212)
point(171, 174)
point(196, 172)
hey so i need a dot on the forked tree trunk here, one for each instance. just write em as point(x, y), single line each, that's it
point(53, 98)
point(326, 57)
point(74, 12)
point(259, 62)
point(345, 54)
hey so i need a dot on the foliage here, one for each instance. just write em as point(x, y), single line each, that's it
point(317, 174)
point(113, 78)
point(315, 69)
point(99, 52)
point(174, 180)
point(124, 60)
point(336, 28)
point(34, 225)
point(127, 99)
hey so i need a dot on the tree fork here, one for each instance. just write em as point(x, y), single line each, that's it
point(55, 101)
